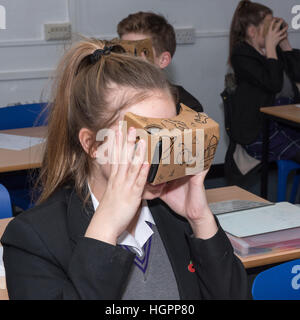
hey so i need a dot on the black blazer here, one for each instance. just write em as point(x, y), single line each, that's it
point(258, 81)
point(186, 98)
point(46, 256)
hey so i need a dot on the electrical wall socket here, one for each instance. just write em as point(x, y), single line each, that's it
point(58, 31)
point(185, 35)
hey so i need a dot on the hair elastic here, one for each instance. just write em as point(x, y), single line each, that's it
point(96, 56)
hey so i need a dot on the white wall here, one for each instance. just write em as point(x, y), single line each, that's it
point(26, 60)
point(200, 68)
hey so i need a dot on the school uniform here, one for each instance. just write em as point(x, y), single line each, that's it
point(187, 99)
point(263, 82)
point(46, 256)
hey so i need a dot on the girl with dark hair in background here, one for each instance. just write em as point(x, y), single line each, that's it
point(266, 70)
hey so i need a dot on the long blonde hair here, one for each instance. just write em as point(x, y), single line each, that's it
point(84, 96)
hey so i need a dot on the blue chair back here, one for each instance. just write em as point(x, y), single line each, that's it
point(5, 203)
point(278, 283)
point(284, 168)
point(23, 116)
point(15, 117)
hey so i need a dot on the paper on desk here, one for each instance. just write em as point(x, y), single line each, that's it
point(14, 142)
point(298, 105)
point(255, 221)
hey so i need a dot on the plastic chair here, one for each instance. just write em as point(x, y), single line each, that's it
point(231, 171)
point(23, 116)
point(5, 203)
point(284, 168)
point(278, 283)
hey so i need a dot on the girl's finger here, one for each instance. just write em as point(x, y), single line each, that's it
point(140, 152)
point(271, 27)
point(284, 31)
point(277, 24)
point(141, 180)
point(127, 151)
point(283, 35)
point(137, 161)
point(282, 38)
point(131, 144)
point(114, 160)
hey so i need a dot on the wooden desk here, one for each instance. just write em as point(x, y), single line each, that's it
point(3, 224)
point(289, 115)
point(12, 160)
point(3, 295)
point(230, 193)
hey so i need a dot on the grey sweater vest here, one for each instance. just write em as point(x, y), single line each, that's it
point(158, 282)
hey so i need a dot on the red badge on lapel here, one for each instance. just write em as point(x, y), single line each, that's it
point(191, 267)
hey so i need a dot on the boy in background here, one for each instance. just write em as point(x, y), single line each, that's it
point(142, 25)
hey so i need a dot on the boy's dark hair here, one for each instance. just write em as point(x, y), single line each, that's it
point(154, 25)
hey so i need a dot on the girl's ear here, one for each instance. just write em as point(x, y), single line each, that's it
point(164, 59)
point(251, 32)
point(86, 138)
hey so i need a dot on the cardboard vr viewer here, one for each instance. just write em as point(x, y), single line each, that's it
point(176, 147)
point(136, 48)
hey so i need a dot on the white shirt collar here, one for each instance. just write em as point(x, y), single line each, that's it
point(142, 231)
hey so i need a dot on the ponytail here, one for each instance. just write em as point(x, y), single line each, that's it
point(84, 97)
point(247, 13)
point(58, 158)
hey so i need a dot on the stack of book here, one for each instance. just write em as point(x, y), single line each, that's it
point(265, 243)
point(255, 228)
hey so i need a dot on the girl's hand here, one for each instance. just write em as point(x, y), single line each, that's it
point(285, 43)
point(186, 196)
point(125, 186)
point(274, 37)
